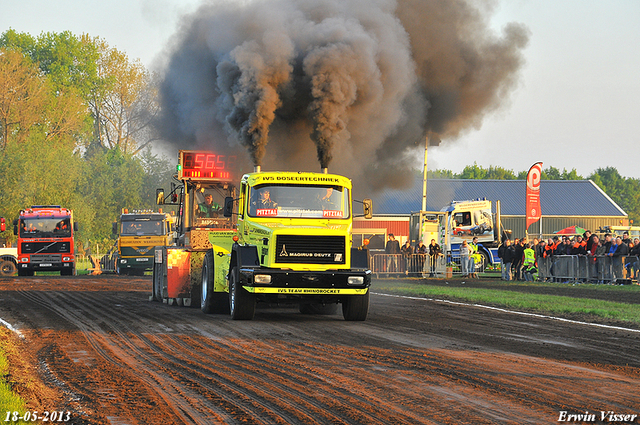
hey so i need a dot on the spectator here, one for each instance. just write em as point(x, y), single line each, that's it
point(578, 248)
point(464, 258)
point(407, 252)
point(529, 263)
point(588, 237)
point(517, 261)
point(434, 253)
point(421, 252)
point(635, 258)
point(618, 252)
point(392, 249)
point(625, 238)
point(474, 256)
point(508, 253)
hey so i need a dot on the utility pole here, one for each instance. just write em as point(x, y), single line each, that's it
point(424, 177)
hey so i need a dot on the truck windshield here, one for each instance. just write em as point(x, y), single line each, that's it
point(45, 227)
point(296, 201)
point(142, 227)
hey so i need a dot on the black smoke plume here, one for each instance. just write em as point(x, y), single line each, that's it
point(361, 82)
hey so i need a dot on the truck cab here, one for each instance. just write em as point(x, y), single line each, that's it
point(45, 240)
point(139, 232)
point(295, 246)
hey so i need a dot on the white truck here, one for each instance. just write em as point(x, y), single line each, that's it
point(8, 256)
point(461, 220)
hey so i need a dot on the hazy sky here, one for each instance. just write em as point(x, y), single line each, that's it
point(577, 105)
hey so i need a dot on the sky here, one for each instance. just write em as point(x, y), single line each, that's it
point(577, 104)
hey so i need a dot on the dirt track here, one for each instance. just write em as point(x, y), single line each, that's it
point(116, 358)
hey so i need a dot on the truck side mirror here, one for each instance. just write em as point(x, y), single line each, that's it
point(75, 226)
point(228, 206)
point(160, 196)
point(114, 227)
point(367, 205)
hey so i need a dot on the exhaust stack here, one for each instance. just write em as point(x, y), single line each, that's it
point(256, 169)
point(325, 170)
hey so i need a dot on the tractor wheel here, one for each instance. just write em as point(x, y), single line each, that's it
point(211, 301)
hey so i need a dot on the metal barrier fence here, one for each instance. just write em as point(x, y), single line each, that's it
point(596, 269)
point(96, 263)
point(417, 265)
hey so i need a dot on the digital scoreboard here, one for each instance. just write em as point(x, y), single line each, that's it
point(200, 165)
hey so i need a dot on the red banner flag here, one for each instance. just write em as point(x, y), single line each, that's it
point(533, 194)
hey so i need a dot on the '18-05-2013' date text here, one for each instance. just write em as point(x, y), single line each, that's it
point(33, 416)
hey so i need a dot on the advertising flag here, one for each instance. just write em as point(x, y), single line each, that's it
point(533, 194)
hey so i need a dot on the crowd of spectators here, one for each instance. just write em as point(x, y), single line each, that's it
point(618, 254)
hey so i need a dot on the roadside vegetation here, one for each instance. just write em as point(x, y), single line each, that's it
point(590, 302)
point(9, 382)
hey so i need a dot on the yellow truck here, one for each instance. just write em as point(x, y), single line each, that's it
point(139, 232)
point(277, 238)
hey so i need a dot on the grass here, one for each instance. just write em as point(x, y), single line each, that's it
point(531, 302)
point(9, 401)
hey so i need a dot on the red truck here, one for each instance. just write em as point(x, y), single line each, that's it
point(45, 240)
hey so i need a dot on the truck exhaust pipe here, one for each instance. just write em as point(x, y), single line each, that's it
point(325, 170)
point(256, 169)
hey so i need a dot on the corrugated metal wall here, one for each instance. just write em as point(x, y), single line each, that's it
point(555, 223)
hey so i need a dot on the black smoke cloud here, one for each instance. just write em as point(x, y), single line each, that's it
point(353, 85)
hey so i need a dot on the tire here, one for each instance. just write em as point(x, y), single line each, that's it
point(155, 282)
point(7, 268)
point(242, 304)
point(484, 263)
point(211, 301)
point(206, 301)
point(67, 272)
point(356, 307)
point(26, 272)
point(322, 309)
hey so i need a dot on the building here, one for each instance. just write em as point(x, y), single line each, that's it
point(563, 203)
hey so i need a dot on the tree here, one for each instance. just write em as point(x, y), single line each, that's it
point(22, 96)
point(123, 102)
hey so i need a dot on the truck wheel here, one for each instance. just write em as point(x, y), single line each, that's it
point(66, 272)
point(155, 282)
point(484, 262)
point(356, 307)
point(7, 268)
point(242, 304)
point(323, 309)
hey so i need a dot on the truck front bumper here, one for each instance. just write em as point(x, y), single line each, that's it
point(135, 262)
point(302, 283)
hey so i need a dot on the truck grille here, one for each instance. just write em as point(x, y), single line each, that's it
point(44, 247)
point(310, 249)
point(52, 258)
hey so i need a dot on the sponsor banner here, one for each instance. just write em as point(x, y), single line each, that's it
point(307, 291)
point(332, 213)
point(267, 212)
point(533, 194)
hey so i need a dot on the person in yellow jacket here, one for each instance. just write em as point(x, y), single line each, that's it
point(474, 257)
point(529, 263)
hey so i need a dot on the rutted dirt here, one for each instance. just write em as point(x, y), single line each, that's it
point(114, 357)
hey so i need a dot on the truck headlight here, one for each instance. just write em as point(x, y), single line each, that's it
point(262, 278)
point(355, 280)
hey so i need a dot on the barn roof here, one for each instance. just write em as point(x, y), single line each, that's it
point(557, 197)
